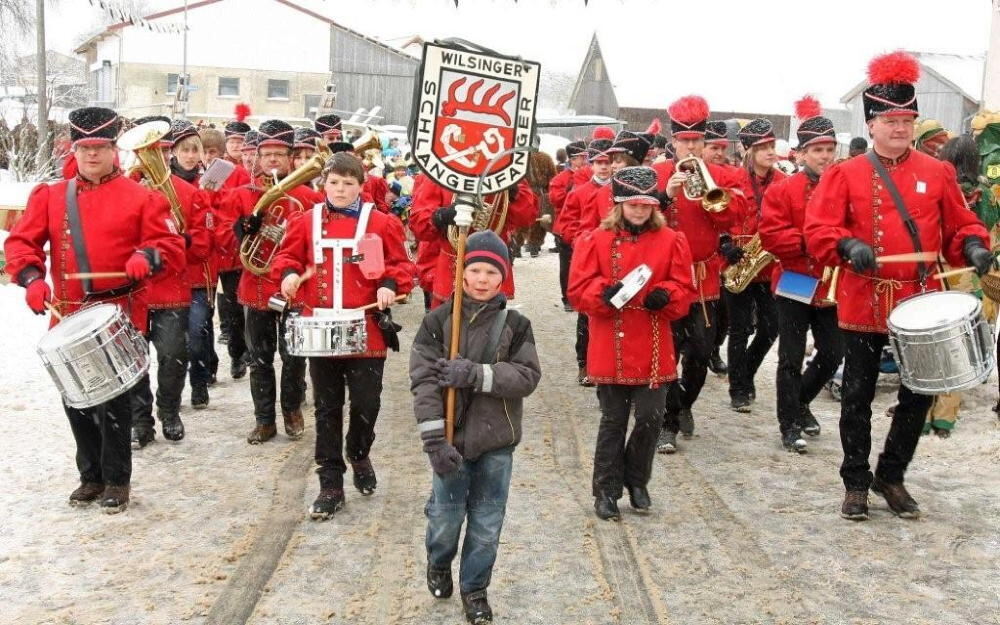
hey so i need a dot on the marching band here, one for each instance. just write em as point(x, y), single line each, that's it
point(665, 251)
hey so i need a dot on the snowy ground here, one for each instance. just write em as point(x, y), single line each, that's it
point(741, 532)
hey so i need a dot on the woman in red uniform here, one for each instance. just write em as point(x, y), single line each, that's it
point(631, 351)
point(341, 217)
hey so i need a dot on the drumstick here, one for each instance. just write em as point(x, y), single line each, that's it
point(399, 298)
point(96, 275)
point(55, 313)
point(953, 272)
point(913, 257)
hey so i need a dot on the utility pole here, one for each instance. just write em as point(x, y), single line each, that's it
point(991, 82)
point(44, 153)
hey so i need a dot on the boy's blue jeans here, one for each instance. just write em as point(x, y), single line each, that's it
point(201, 337)
point(477, 490)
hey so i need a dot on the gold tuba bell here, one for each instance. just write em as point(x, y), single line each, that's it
point(736, 278)
point(144, 140)
point(368, 148)
point(258, 250)
point(699, 185)
point(488, 215)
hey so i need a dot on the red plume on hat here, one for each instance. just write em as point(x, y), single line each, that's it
point(242, 111)
point(807, 108)
point(894, 68)
point(603, 132)
point(654, 127)
point(689, 109)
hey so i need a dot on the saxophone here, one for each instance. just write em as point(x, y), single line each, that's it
point(737, 277)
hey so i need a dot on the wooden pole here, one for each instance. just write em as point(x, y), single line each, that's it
point(456, 330)
point(44, 153)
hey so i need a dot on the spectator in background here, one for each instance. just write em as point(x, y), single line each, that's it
point(392, 150)
point(858, 146)
point(931, 136)
point(561, 159)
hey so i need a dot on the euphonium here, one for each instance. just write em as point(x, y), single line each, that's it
point(258, 250)
point(699, 185)
point(737, 277)
point(490, 215)
point(144, 140)
point(369, 149)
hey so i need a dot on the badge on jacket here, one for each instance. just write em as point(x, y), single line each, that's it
point(921, 186)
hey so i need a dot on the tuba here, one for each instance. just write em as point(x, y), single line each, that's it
point(700, 185)
point(143, 140)
point(369, 149)
point(257, 251)
point(737, 277)
point(488, 215)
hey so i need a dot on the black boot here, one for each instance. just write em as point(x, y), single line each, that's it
point(666, 443)
point(477, 608)
point(364, 476)
point(199, 396)
point(606, 508)
point(330, 501)
point(142, 436)
point(716, 364)
point(807, 421)
point(638, 497)
point(792, 441)
point(173, 427)
point(685, 421)
point(238, 368)
point(439, 582)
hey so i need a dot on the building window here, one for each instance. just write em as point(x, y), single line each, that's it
point(598, 69)
point(277, 89)
point(229, 87)
point(171, 83)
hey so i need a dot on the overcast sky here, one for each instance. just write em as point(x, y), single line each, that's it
point(819, 47)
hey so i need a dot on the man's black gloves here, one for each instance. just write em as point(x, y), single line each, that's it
point(858, 253)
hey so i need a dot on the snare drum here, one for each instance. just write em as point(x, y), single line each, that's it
point(941, 342)
point(94, 355)
point(327, 332)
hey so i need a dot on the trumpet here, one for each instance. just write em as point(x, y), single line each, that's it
point(699, 185)
point(143, 141)
point(258, 250)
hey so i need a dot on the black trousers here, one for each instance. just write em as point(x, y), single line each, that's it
point(103, 440)
point(722, 321)
point(231, 314)
point(362, 377)
point(168, 329)
point(755, 303)
point(793, 386)
point(694, 341)
point(582, 339)
point(265, 334)
point(565, 257)
point(862, 352)
point(617, 463)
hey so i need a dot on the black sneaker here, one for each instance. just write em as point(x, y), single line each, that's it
point(173, 427)
point(606, 508)
point(329, 502)
point(238, 368)
point(477, 608)
point(199, 397)
point(364, 476)
point(686, 422)
point(740, 404)
point(793, 441)
point(716, 364)
point(439, 582)
point(142, 436)
point(666, 442)
point(807, 421)
point(638, 497)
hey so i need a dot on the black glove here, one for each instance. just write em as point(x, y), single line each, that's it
point(860, 254)
point(247, 226)
point(657, 299)
point(443, 455)
point(609, 292)
point(389, 328)
point(729, 250)
point(977, 255)
point(457, 373)
point(444, 217)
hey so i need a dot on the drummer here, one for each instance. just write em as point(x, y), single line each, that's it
point(851, 220)
point(360, 373)
point(118, 224)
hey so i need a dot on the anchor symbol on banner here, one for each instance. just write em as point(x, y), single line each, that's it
point(491, 137)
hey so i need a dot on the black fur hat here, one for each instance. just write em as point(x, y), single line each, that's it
point(757, 132)
point(635, 184)
point(93, 125)
point(276, 132)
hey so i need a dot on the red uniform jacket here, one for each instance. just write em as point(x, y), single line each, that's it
point(296, 254)
point(701, 227)
point(633, 345)
point(784, 214)
point(568, 224)
point(595, 210)
point(851, 201)
point(748, 224)
point(226, 258)
point(255, 290)
point(118, 217)
point(429, 197)
point(172, 289)
point(563, 183)
point(376, 188)
point(427, 257)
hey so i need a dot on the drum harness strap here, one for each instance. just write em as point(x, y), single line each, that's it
point(80, 250)
point(911, 226)
point(337, 245)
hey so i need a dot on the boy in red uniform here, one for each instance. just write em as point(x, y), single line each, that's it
point(343, 216)
point(97, 221)
point(577, 172)
point(265, 328)
point(783, 215)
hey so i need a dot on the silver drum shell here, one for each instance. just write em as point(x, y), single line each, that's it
point(319, 335)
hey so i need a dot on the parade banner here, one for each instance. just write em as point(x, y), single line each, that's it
point(471, 106)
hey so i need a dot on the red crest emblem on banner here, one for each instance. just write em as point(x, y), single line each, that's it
point(471, 109)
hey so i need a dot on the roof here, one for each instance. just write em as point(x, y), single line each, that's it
point(963, 73)
point(201, 3)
